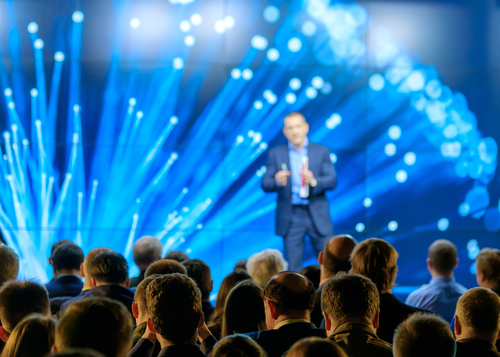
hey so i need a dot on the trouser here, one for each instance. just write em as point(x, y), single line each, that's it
point(301, 225)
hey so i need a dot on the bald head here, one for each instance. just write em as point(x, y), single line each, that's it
point(335, 255)
point(292, 281)
point(146, 250)
point(290, 292)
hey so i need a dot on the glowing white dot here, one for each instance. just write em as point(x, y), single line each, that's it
point(376, 82)
point(367, 202)
point(189, 251)
point(77, 16)
point(236, 73)
point(139, 114)
point(178, 63)
point(76, 108)
point(259, 42)
point(333, 158)
point(12, 105)
point(334, 120)
point(59, 56)
point(247, 74)
point(132, 102)
point(189, 40)
point(294, 44)
point(220, 26)
point(327, 88)
point(75, 138)
point(273, 54)
point(464, 209)
point(394, 132)
point(38, 44)
point(309, 28)
point(258, 105)
point(295, 83)
point(290, 98)
point(416, 80)
point(240, 139)
point(26, 142)
point(185, 209)
point(33, 27)
point(263, 146)
point(174, 156)
point(251, 133)
point(185, 26)
point(38, 123)
point(390, 149)
point(14, 127)
point(393, 225)
point(174, 120)
point(360, 227)
point(311, 93)
point(443, 224)
point(271, 14)
point(410, 158)
point(196, 19)
point(317, 82)
point(229, 22)
point(7, 92)
point(401, 176)
point(34, 93)
point(199, 226)
point(257, 138)
point(135, 23)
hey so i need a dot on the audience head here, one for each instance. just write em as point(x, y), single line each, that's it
point(315, 346)
point(424, 335)
point(97, 323)
point(241, 265)
point(87, 284)
point(33, 336)
point(9, 264)
point(442, 258)
point(377, 260)
point(67, 259)
point(488, 268)
point(109, 268)
point(478, 315)
point(19, 299)
point(225, 287)
point(335, 255)
point(145, 251)
point(348, 297)
point(244, 311)
point(264, 265)
point(165, 266)
point(313, 273)
point(288, 295)
point(200, 273)
point(174, 305)
point(238, 346)
point(139, 306)
point(177, 255)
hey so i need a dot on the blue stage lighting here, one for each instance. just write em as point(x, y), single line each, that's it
point(34, 92)
point(376, 82)
point(38, 44)
point(333, 158)
point(135, 23)
point(311, 93)
point(258, 105)
point(333, 121)
point(443, 224)
point(464, 209)
point(7, 92)
point(295, 83)
point(220, 27)
point(416, 80)
point(229, 22)
point(33, 27)
point(77, 16)
point(327, 88)
point(390, 149)
point(178, 63)
point(290, 98)
point(294, 44)
point(450, 131)
point(247, 74)
point(401, 176)
point(394, 132)
point(259, 42)
point(317, 82)
point(360, 227)
point(273, 54)
point(492, 219)
point(433, 89)
point(185, 26)
point(451, 150)
point(236, 73)
point(271, 14)
point(367, 202)
point(180, 2)
point(309, 28)
point(59, 56)
point(410, 158)
point(189, 40)
point(393, 226)
point(196, 19)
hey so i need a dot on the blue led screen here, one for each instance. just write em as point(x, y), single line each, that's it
point(126, 118)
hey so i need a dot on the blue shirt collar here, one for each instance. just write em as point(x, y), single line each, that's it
point(305, 146)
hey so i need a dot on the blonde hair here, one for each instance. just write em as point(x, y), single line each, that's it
point(478, 310)
point(266, 264)
point(33, 336)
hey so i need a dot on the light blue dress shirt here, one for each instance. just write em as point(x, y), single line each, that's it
point(296, 167)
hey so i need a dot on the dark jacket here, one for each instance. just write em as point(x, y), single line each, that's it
point(146, 348)
point(360, 340)
point(137, 280)
point(470, 347)
point(317, 314)
point(67, 285)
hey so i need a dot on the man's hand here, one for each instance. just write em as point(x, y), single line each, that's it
point(281, 177)
point(308, 176)
point(203, 333)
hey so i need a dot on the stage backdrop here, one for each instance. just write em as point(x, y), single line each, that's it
point(127, 118)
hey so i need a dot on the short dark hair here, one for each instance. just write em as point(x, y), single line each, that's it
point(478, 310)
point(58, 244)
point(199, 271)
point(488, 263)
point(177, 255)
point(99, 323)
point(18, 299)
point(33, 336)
point(315, 346)
point(109, 267)
point(238, 346)
point(424, 335)
point(313, 273)
point(165, 266)
point(443, 256)
point(288, 299)
point(241, 265)
point(348, 295)
point(9, 264)
point(67, 257)
point(140, 291)
point(174, 306)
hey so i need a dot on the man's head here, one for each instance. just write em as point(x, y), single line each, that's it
point(67, 259)
point(9, 264)
point(488, 268)
point(348, 297)
point(478, 315)
point(442, 258)
point(288, 295)
point(315, 346)
point(139, 306)
point(18, 299)
point(377, 260)
point(264, 265)
point(165, 266)
point(335, 255)
point(98, 323)
point(424, 335)
point(295, 128)
point(200, 273)
point(238, 346)
point(85, 267)
point(177, 255)
point(109, 268)
point(145, 251)
point(174, 305)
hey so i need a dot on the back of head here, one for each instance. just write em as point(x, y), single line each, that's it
point(58, 244)
point(238, 346)
point(18, 299)
point(98, 323)
point(347, 296)
point(443, 256)
point(140, 292)
point(377, 260)
point(478, 312)
point(488, 263)
point(424, 335)
point(241, 265)
point(88, 260)
point(67, 256)
point(174, 306)
point(200, 273)
point(33, 336)
point(315, 346)
point(109, 268)
point(9, 264)
point(165, 266)
point(225, 287)
point(264, 265)
point(290, 292)
point(146, 250)
point(177, 255)
point(336, 254)
point(313, 273)
point(244, 311)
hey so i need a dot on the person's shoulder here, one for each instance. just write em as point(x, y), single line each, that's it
point(316, 146)
point(276, 149)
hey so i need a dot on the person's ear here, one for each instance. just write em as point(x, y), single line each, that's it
point(54, 349)
point(456, 264)
point(328, 323)
point(273, 309)
point(498, 336)
point(135, 309)
point(376, 319)
point(50, 261)
point(458, 328)
point(4, 335)
point(320, 258)
point(82, 271)
point(202, 320)
point(92, 281)
point(150, 325)
point(429, 264)
point(127, 284)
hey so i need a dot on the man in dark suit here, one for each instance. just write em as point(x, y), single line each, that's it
point(302, 207)
point(288, 299)
point(66, 261)
point(145, 251)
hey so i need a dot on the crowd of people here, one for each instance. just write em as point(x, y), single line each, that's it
point(341, 307)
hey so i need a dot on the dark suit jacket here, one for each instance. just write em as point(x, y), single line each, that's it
point(476, 348)
point(277, 342)
point(146, 348)
point(207, 309)
point(68, 285)
point(360, 340)
point(137, 280)
point(324, 172)
point(317, 314)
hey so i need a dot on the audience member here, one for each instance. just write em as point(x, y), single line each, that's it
point(165, 266)
point(238, 346)
point(424, 335)
point(109, 276)
point(315, 347)
point(9, 264)
point(78, 352)
point(145, 251)
point(244, 310)
point(52, 250)
point(200, 273)
point(98, 323)
point(66, 266)
point(33, 337)
point(442, 292)
point(377, 260)
point(333, 259)
point(488, 269)
point(177, 255)
point(477, 323)
point(288, 299)
point(312, 272)
point(264, 265)
point(215, 322)
point(241, 264)
point(140, 307)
